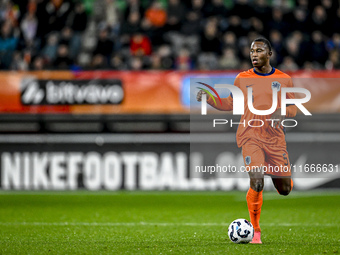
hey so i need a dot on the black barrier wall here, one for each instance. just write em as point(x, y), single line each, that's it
point(153, 162)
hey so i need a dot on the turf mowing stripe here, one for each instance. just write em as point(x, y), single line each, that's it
point(165, 224)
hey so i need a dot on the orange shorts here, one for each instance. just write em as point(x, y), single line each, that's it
point(273, 159)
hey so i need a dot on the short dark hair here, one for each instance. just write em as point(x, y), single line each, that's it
point(265, 41)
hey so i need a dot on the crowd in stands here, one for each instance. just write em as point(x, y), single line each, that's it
point(166, 34)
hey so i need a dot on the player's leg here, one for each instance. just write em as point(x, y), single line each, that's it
point(255, 198)
point(254, 158)
point(283, 185)
point(255, 201)
point(279, 169)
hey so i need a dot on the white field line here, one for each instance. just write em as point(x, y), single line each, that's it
point(165, 224)
point(155, 138)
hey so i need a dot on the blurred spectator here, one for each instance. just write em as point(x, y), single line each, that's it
point(334, 42)
point(29, 26)
point(77, 23)
point(10, 12)
point(245, 65)
point(336, 21)
point(294, 49)
point(130, 27)
point(320, 21)
point(164, 51)
point(194, 18)
point(235, 26)
point(73, 41)
point(118, 62)
point(78, 18)
point(217, 9)
point(209, 39)
point(49, 52)
point(229, 60)
point(66, 36)
point(8, 44)
point(229, 40)
point(278, 22)
point(153, 22)
point(199, 8)
point(191, 24)
point(31, 6)
point(156, 62)
point(184, 61)
point(56, 13)
point(133, 7)
point(273, 59)
point(330, 7)
point(62, 60)
point(156, 15)
point(140, 45)
point(38, 63)
point(107, 14)
point(277, 44)
point(104, 45)
point(262, 10)
point(256, 25)
point(242, 9)
point(112, 15)
point(18, 62)
point(175, 34)
point(317, 49)
point(244, 53)
point(308, 66)
point(283, 4)
point(288, 65)
point(175, 15)
point(302, 4)
point(251, 36)
point(136, 64)
point(334, 60)
point(207, 61)
point(99, 62)
point(299, 20)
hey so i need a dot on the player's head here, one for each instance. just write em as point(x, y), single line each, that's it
point(260, 52)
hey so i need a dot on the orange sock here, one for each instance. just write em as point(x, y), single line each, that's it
point(291, 184)
point(255, 201)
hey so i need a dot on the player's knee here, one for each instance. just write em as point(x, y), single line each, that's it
point(257, 185)
point(285, 190)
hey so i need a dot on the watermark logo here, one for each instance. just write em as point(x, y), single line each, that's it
point(208, 92)
point(238, 99)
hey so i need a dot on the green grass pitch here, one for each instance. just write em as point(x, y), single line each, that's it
point(164, 223)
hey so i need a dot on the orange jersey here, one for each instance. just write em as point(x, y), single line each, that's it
point(262, 100)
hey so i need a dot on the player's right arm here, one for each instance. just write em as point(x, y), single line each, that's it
point(227, 103)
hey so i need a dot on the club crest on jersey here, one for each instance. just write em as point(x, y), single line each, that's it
point(248, 160)
point(276, 85)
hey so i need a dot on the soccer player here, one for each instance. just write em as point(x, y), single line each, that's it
point(263, 147)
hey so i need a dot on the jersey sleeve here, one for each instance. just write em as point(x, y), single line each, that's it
point(227, 103)
point(291, 109)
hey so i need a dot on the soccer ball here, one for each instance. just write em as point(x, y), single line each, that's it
point(241, 231)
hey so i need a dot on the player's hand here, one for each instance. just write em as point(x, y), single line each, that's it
point(199, 95)
point(278, 118)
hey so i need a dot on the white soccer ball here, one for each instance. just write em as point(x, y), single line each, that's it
point(241, 231)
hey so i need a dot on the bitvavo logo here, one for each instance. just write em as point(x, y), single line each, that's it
point(238, 102)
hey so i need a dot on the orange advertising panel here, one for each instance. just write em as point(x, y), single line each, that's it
point(127, 92)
